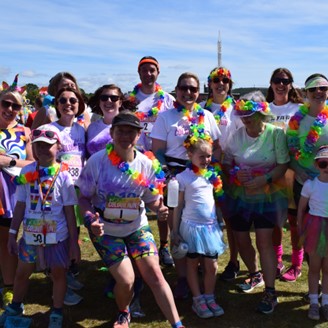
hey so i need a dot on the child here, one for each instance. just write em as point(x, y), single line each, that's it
point(45, 204)
point(312, 226)
point(199, 227)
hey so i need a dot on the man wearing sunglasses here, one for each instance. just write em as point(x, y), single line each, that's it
point(150, 99)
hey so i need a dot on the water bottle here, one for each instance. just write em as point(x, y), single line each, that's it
point(180, 251)
point(173, 193)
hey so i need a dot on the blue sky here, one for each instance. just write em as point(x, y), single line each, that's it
point(101, 41)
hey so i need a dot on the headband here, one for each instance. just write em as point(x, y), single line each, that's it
point(220, 71)
point(149, 61)
point(317, 81)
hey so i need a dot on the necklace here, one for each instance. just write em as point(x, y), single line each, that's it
point(153, 111)
point(155, 188)
point(212, 174)
point(32, 176)
point(223, 108)
point(313, 135)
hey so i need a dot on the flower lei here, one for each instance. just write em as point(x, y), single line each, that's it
point(212, 174)
point(136, 176)
point(32, 176)
point(153, 111)
point(223, 108)
point(220, 71)
point(313, 135)
point(252, 106)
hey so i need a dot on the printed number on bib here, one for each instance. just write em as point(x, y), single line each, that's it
point(34, 232)
point(126, 209)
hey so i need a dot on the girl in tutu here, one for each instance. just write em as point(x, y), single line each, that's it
point(195, 222)
point(312, 224)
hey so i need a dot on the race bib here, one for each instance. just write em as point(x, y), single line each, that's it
point(147, 127)
point(34, 232)
point(122, 209)
point(74, 163)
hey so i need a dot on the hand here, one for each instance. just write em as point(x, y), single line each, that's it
point(244, 176)
point(12, 245)
point(256, 182)
point(163, 211)
point(176, 239)
point(96, 227)
point(74, 252)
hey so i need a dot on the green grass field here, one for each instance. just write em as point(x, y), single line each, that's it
point(96, 310)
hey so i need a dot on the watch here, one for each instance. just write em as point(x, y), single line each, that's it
point(12, 163)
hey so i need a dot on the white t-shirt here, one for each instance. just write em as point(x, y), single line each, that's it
point(317, 192)
point(146, 103)
point(264, 151)
point(228, 124)
point(199, 201)
point(98, 136)
point(72, 139)
point(283, 114)
point(63, 194)
point(173, 128)
point(113, 191)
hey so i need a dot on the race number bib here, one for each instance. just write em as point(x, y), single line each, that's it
point(74, 163)
point(122, 209)
point(147, 127)
point(34, 232)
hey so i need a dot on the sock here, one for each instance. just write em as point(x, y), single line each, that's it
point(279, 252)
point(208, 297)
point(177, 324)
point(164, 244)
point(314, 298)
point(196, 299)
point(324, 299)
point(58, 311)
point(297, 257)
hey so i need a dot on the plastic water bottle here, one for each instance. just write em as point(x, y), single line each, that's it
point(173, 193)
point(180, 251)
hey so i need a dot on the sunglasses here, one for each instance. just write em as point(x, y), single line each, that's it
point(7, 104)
point(322, 164)
point(48, 134)
point(113, 98)
point(225, 80)
point(315, 88)
point(71, 100)
point(191, 88)
point(279, 80)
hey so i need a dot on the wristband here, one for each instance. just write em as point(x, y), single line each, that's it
point(13, 231)
point(88, 219)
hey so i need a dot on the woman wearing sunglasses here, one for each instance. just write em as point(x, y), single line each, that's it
point(168, 135)
point(221, 103)
point(106, 102)
point(307, 131)
point(284, 101)
point(15, 152)
point(47, 113)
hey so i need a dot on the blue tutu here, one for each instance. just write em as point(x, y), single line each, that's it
point(205, 239)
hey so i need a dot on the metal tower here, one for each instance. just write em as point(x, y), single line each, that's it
point(219, 51)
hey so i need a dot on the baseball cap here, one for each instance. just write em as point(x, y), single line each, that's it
point(126, 118)
point(47, 133)
point(322, 152)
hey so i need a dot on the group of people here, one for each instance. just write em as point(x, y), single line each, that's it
point(251, 162)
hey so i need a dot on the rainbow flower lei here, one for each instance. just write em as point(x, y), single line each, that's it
point(153, 111)
point(213, 174)
point(136, 176)
point(32, 176)
point(252, 106)
point(314, 133)
point(223, 108)
point(221, 71)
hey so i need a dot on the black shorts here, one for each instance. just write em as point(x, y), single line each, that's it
point(238, 223)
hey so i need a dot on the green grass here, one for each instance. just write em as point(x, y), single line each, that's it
point(96, 310)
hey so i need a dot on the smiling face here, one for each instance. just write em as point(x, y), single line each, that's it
point(187, 92)
point(148, 74)
point(10, 106)
point(201, 156)
point(110, 103)
point(220, 86)
point(125, 137)
point(281, 85)
point(67, 104)
point(317, 97)
point(45, 153)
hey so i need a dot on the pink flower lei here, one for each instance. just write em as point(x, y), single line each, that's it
point(136, 176)
point(153, 111)
point(315, 131)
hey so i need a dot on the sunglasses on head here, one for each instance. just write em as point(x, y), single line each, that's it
point(279, 80)
point(71, 100)
point(7, 104)
point(315, 88)
point(191, 88)
point(225, 80)
point(322, 164)
point(113, 98)
point(48, 134)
